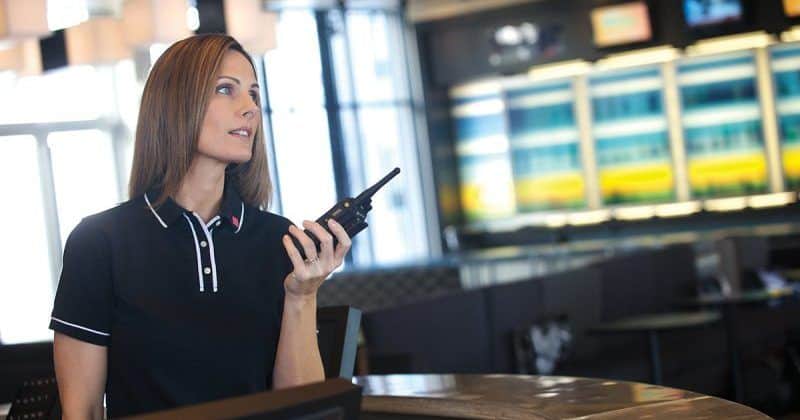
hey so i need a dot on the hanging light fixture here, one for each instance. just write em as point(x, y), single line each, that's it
point(147, 22)
point(22, 57)
point(20, 19)
point(99, 40)
point(251, 25)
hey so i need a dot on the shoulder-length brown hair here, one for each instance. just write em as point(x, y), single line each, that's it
point(173, 106)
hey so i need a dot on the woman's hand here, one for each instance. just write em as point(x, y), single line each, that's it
point(308, 275)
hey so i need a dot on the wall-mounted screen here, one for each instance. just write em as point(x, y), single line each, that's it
point(791, 8)
point(621, 24)
point(630, 129)
point(545, 150)
point(484, 165)
point(721, 118)
point(703, 13)
point(785, 60)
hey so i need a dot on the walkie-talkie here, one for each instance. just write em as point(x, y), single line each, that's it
point(351, 213)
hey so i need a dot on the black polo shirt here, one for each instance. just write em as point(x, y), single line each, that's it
point(190, 311)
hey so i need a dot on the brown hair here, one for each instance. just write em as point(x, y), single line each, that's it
point(173, 106)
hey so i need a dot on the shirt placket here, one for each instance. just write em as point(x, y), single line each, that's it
point(202, 234)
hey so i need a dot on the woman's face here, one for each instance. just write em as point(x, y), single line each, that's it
point(233, 113)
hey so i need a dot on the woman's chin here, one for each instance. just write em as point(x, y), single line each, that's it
point(237, 158)
point(243, 159)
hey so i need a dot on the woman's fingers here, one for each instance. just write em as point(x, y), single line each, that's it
point(308, 245)
point(325, 239)
point(318, 264)
point(292, 252)
point(344, 241)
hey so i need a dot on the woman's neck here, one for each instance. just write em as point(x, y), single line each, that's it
point(202, 187)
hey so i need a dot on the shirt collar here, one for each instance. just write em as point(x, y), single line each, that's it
point(231, 210)
point(232, 207)
point(167, 212)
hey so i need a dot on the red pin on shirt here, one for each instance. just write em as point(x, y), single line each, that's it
point(235, 221)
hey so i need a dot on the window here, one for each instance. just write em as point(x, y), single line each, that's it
point(298, 119)
point(377, 116)
point(77, 93)
point(26, 292)
point(84, 175)
point(60, 138)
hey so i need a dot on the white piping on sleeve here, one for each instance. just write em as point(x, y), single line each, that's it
point(80, 327)
point(197, 250)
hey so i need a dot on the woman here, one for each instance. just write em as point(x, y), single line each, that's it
point(189, 292)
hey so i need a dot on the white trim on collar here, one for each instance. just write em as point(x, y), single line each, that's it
point(241, 219)
point(147, 200)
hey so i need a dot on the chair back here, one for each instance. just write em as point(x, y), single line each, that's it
point(337, 335)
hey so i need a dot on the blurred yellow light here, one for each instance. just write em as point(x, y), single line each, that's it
point(559, 70)
point(792, 35)
point(476, 88)
point(251, 25)
point(638, 58)
point(730, 43)
point(21, 19)
point(678, 209)
point(97, 41)
point(634, 213)
point(588, 217)
point(23, 57)
point(556, 220)
point(726, 204)
point(771, 200)
point(147, 22)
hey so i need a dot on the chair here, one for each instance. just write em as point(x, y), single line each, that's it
point(337, 335)
point(22, 362)
point(541, 346)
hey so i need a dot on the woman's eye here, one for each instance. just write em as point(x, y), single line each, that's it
point(224, 89)
point(254, 95)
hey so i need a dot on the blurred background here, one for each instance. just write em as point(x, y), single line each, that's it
point(536, 138)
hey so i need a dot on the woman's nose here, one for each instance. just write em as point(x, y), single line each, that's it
point(250, 109)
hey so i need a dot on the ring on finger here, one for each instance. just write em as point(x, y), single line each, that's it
point(312, 260)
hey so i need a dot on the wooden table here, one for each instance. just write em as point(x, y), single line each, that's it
point(534, 397)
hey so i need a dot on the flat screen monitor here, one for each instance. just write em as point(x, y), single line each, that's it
point(705, 13)
point(791, 8)
point(621, 24)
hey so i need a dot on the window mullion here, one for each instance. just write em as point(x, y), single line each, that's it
point(338, 156)
point(119, 136)
point(48, 190)
point(421, 141)
point(269, 137)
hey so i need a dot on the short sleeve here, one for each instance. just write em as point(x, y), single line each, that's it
point(84, 299)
